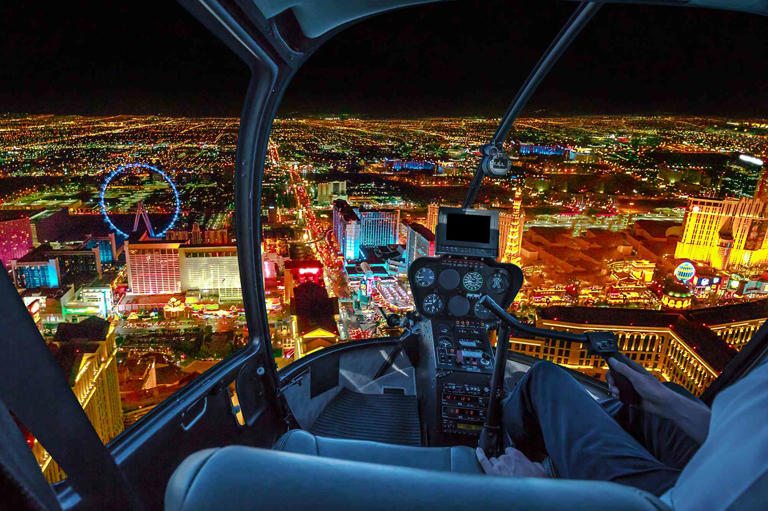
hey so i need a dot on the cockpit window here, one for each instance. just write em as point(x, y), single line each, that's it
point(116, 200)
point(621, 219)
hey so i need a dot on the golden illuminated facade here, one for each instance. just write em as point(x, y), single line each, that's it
point(86, 352)
point(734, 324)
point(675, 347)
point(726, 234)
point(432, 211)
point(511, 232)
point(738, 334)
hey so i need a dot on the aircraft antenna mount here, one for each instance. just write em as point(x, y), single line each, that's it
point(498, 164)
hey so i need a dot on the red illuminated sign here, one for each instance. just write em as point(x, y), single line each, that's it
point(313, 271)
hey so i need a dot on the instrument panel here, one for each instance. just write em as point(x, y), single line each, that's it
point(450, 287)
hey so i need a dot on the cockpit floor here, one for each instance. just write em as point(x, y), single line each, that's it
point(388, 418)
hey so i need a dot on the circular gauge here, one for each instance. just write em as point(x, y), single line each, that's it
point(486, 361)
point(432, 304)
point(482, 312)
point(424, 276)
point(498, 282)
point(458, 306)
point(473, 281)
point(449, 279)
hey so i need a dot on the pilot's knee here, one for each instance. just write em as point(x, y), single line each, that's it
point(546, 369)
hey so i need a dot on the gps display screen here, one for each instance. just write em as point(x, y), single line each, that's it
point(468, 228)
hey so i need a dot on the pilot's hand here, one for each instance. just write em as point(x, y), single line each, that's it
point(656, 397)
point(512, 463)
point(691, 415)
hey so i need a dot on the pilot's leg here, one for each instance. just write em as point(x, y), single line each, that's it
point(550, 413)
point(662, 437)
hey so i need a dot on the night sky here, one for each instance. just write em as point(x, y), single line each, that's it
point(458, 58)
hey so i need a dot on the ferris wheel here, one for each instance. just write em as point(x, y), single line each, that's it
point(141, 212)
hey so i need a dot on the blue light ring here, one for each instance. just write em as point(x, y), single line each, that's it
point(120, 170)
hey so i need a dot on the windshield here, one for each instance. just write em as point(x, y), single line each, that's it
point(649, 225)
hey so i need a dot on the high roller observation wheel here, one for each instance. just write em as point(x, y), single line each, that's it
point(121, 170)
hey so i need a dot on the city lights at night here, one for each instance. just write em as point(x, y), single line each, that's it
point(278, 229)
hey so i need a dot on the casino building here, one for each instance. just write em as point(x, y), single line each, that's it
point(211, 269)
point(86, 353)
point(153, 266)
point(357, 228)
point(726, 234)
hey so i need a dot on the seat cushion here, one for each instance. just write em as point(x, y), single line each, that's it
point(460, 459)
point(238, 478)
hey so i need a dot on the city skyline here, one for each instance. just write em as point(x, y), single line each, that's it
point(600, 214)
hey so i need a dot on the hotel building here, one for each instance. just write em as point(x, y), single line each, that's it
point(690, 348)
point(726, 234)
point(86, 353)
point(153, 267)
point(211, 269)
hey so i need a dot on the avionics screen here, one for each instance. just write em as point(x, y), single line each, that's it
point(468, 228)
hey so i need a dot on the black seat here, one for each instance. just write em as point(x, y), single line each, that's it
point(459, 459)
point(239, 478)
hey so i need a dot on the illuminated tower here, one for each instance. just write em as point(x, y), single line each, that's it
point(511, 232)
point(346, 227)
point(15, 236)
point(419, 242)
point(432, 211)
point(378, 227)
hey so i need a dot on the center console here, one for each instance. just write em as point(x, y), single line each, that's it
point(463, 359)
point(455, 355)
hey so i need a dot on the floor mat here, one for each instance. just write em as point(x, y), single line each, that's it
point(388, 418)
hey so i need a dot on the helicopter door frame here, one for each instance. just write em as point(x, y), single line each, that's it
point(35, 390)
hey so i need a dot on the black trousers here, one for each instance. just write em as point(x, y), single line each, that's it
point(550, 414)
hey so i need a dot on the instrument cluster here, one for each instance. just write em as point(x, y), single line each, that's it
point(446, 287)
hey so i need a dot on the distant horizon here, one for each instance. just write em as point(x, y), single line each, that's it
point(366, 117)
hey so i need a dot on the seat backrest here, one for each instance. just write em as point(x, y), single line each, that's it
point(237, 477)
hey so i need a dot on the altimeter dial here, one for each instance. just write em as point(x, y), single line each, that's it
point(424, 276)
point(473, 281)
point(432, 304)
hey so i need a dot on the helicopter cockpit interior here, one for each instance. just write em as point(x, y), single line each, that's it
point(378, 424)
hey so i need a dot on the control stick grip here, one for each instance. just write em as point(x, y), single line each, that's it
point(627, 393)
